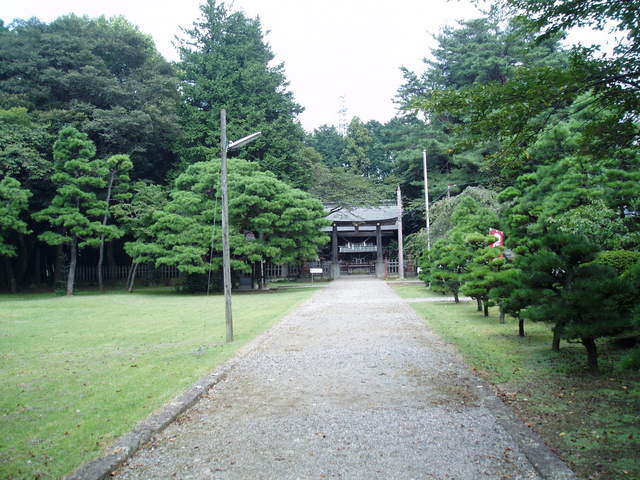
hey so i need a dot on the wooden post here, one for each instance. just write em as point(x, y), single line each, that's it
point(380, 270)
point(335, 266)
point(400, 242)
point(226, 255)
point(334, 243)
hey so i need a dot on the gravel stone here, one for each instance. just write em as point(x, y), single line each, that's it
point(351, 385)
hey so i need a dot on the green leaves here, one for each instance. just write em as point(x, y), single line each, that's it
point(269, 220)
point(102, 76)
point(14, 201)
point(225, 63)
point(75, 209)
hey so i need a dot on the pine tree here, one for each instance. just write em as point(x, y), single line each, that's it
point(226, 63)
point(118, 167)
point(75, 210)
point(14, 201)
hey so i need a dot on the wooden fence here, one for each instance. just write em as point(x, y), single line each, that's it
point(391, 268)
point(119, 273)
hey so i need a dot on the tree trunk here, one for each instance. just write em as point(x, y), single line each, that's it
point(11, 278)
point(72, 265)
point(555, 343)
point(485, 307)
point(104, 222)
point(479, 304)
point(100, 260)
point(58, 268)
point(455, 296)
point(521, 328)
point(132, 276)
point(261, 272)
point(502, 316)
point(592, 353)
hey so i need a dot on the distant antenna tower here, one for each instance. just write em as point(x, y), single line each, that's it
point(342, 116)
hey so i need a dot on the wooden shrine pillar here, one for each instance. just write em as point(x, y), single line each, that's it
point(335, 265)
point(379, 256)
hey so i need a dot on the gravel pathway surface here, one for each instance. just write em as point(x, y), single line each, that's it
point(351, 385)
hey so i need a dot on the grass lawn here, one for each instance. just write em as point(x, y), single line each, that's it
point(414, 290)
point(593, 421)
point(79, 372)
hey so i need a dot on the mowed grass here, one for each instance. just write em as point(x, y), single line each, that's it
point(413, 290)
point(79, 372)
point(593, 421)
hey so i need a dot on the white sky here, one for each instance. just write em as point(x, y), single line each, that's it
point(331, 48)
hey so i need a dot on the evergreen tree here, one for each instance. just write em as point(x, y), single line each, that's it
point(14, 201)
point(117, 190)
point(328, 143)
point(137, 219)
point(103, 76)
point(357, 146)
point(270, 221)
point(225, 63)
point(75, 211)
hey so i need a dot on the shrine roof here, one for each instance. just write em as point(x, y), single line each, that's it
point(383, 215)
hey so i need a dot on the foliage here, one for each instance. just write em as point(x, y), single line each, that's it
point(269, 220)
point(14, 201)
point(226, 63)
point(328, 143)
point(340, 188)
point(613, 77)
point(473, 54)
point(621, 260)
point(441, 212)
point(102, 76)
point(136, 217)
point(357, 144)
point(75, 211)
point(583, 300)
point(448, 265)
point(485, 264)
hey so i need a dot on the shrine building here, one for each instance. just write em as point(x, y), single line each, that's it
point(359, 237)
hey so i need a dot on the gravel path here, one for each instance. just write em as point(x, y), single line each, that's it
point(351, 385)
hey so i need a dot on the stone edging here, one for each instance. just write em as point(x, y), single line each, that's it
point(544, 461)
point(541, 457)
point(129, 443)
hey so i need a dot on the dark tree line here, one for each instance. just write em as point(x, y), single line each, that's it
point(92, 117)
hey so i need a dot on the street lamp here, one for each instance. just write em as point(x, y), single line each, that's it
point(226, 255)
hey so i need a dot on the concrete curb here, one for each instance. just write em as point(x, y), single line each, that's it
point(102, 467)
point(544, 461)
point(541, 457)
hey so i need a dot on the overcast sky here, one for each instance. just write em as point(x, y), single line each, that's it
point(331, 48)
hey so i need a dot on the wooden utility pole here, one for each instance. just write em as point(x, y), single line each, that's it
point(400, 242)
point(226, 255)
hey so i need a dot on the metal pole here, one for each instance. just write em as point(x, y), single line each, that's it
point(426, 196)
point(400, 245)
point(226, 256)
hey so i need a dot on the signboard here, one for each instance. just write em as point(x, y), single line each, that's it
point(315, 270)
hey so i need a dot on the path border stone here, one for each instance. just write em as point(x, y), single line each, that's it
point(544, 461)
point(129, 443)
